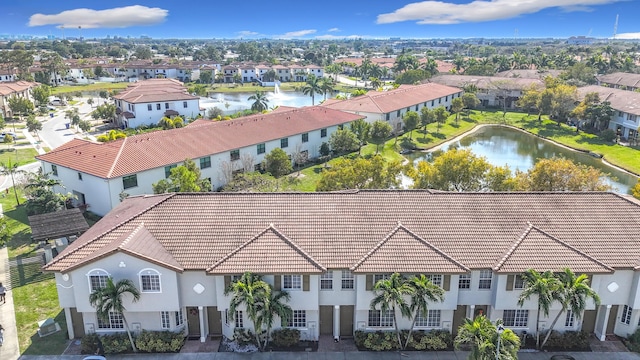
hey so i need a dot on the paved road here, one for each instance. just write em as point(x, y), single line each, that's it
point(54, 132)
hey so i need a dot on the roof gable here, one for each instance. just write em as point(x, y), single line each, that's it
point(269, 252)
point(535, 249)
point(404, 251)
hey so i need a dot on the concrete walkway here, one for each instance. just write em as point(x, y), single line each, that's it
point(9, 350)
point(355, 355)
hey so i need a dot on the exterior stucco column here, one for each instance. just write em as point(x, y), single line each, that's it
point(67, 315)
point(470, 311)
point(603, 330)
point(203, 336)
point(336, 322)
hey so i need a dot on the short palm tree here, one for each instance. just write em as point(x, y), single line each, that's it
point(272, 307)
point(11, 168)
point(423, 292)
point(573, 293)
point(545, 287)
point(260, 101)
point(110, 299)
point(312, 87)
point(391, 294)
point(251, 291)
point(481, 335)
point(326, 84)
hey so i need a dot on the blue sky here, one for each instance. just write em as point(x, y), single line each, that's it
point(325, 19)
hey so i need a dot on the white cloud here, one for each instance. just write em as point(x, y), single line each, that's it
point(333, 30)
point(247, 33)
point(439, 12)
point(635, 35)
point(295, 34)
point(338, 37)
point(121, 17)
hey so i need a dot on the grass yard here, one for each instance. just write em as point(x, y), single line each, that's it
point(95, 87)
point(20, 156)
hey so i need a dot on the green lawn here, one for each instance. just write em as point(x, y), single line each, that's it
point(20, 156)
point(96, 87)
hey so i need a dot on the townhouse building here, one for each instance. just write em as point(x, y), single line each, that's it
point(392, 105)
point(620, 80)
point(625, 121)
point(328, 249)
point(146, 102)
point(15, 88)
point(7, 76)
point(98, 173)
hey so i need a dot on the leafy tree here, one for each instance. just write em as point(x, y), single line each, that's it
point(110, 299)
point(441, 115)
point(530, 99)
point(99, 71)
point(563, 101)
point(20, 105)
point(312, 87)
point(260, 101)
point(636, 190)
point(481, 335)
point(143, 52)
point(206, 77)
point(33, 125)
point(104, 111)
point(390, 294)
point(41, 94)
point(215, 113)
point(362, 129)
point(171, 123)
point(343, 141)
point(326, 85)
point(257, 182)
point(411, 77)
point(427, 116)
point(103, 94)
point(55, 66)
point(379, 132)
point(277, 163)
point(325, 150)
point(111, 136)
point(542, 285)
point(423, 291)
point(41, 198)
point(90, 102)
point(73, 116)
point(456, 107)
point(560, 174)
point(183, 178)
point(251, 291)
point(84, 125)
point(470, 101)
point(410, 120)
point(572, 293)
point(11, 168)
point(360, 173)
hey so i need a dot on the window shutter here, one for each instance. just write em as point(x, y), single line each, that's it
point(305, 282)
point(276, 282)
point(510, 281)
point(227, 282)
point(446, 282)
point(369, 282)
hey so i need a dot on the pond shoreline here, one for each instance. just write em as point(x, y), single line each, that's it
point(480, 126)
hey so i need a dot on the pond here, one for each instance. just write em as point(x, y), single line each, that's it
point(231, 103)
point(520, 150)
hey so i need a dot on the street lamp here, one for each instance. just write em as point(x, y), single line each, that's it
point(500, 330)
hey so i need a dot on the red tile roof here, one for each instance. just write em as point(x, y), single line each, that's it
point(154, 90)
point(157, 149)
point(592, 231)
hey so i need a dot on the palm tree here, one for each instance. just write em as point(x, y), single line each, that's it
point(573, 293)
point(251, 291)
point(390, 294)
point(423, 292)
point(110, 299)
point(312, 87)
point(11, 168)
point(259, 101)
point(274, 306)
point(326, 84)
point(544, 286)
point(482, 336)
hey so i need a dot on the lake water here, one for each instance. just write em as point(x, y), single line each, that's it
point(231, 103)
point(519, 150)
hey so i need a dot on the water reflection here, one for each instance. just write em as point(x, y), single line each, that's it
point(521, 151)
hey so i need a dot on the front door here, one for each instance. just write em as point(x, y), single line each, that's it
point(589, 321)
point(459, 314)
point(613, 315)
point(215, 321)
point(78, 323)
point(346, 320)
point(193, 319)
point(326, 320)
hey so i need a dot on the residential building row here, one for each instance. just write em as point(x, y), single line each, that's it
point(100, 173)
point(11, 89)
point(329, 249)
point(620, 80)
point(625, 120)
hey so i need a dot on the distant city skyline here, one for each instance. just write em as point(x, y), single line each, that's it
point(330, 19)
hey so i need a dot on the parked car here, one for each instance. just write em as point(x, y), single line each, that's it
point(12, 134)
point(94, 357)
point(562, 357)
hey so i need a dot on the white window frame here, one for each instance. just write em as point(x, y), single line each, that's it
point(298, 319)
point(378, 277)
point(347, 278)
point(626, 315)
point(380, 320)
point(464, 282)
point(165, 320)
point(151, 273)
point(518, 282)
point(436, 279)
point(520, 318)
point(487, 279)
point(569, 319)
point(114, 319)
point(326, 280)
point(179, 318)
point(100, 274)
point(294, 282)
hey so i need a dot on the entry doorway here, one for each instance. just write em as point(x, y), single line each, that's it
point(613, 315)
point(193, 322)
point(346, 320)
point(326, 320)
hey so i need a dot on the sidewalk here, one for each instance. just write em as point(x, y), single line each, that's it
point(9, 350)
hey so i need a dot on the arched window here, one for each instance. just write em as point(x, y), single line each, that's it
point(97, 279)
point(149, 280)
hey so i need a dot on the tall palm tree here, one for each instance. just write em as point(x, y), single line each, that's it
point(260, 101)
point(326, 85)
point(544, 286)
point(11, 168)
point(482, 336)
point(423, 292)
point(251, 291)
point(312, 87)
point(573, 293)
point(391, 294)
point(110, 299)
point(274, 306)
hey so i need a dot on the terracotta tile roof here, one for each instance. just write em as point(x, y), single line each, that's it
point(403, 251)
point(529, 73)
point(536, 249)
point(621, 79)
point(8, 88)
point(621, 100)
point(156, 149)
point(57, 224)
point(393, 100)
point(339, 229)
point(269, 252)
point(154, 90)
point(487, 82)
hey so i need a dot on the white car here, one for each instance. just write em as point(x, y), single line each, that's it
point(95, 357)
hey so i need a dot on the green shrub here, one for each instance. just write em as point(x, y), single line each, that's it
point(244, 336)
point(633, 341)
point(285, 338)
point(431, 340)
point(567, 340)
point(159, 341)
point(116, 343)
point(608, 135)
point(376, 341)
point(89, 344)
